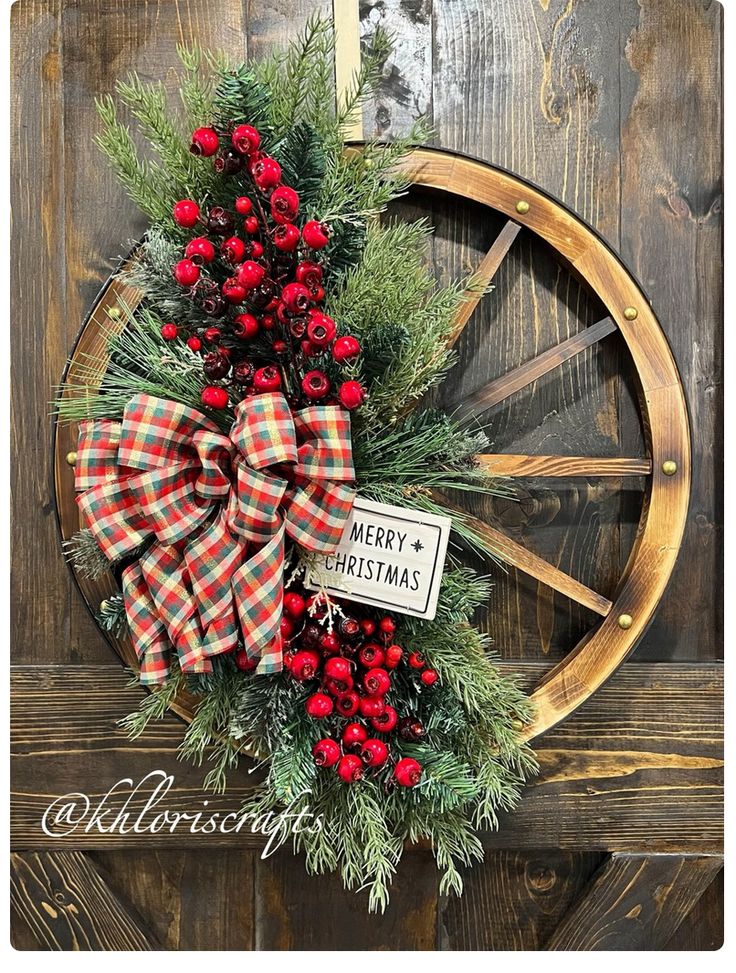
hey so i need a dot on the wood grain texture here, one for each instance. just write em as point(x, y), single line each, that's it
point(635, 902)
point(511, 464)
point(291, 907)
point(702, 928)
point(515, 899)
point(523, 376)
point(192, 899)
point(638, 767)
point(483, 276)
point(68, 905)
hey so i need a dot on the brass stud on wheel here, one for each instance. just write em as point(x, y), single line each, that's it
point(113, 312)
point(625, 621)
point(517, 724)
point(71, 457)
point(669, 467)
point(522, 207)
point(631, 313)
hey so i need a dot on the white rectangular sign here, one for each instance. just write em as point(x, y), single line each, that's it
point(389, 557)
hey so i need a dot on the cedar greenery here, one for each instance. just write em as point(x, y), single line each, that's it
point(379, 289)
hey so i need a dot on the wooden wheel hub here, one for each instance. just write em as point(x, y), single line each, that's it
point(625, 616)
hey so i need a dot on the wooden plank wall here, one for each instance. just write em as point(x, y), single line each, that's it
point(615, 109)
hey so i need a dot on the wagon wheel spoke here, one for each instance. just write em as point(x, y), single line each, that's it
point(516, 464)
point(517, 556)
point(487, 269)
point(517, 379)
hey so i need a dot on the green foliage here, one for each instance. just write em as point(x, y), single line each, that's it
point(381, 290)
point(85, 556)
point(111, 615)
point(302, 160)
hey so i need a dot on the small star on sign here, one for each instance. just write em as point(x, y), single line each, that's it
point(418, 546)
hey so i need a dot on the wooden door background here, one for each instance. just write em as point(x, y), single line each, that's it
point(614, 107)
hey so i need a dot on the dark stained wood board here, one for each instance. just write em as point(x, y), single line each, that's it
point(570, 96)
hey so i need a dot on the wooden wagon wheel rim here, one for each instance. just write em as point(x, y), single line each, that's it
point(662, 402)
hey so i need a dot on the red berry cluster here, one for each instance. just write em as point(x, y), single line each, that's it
point(354, 665)
point(255, 268)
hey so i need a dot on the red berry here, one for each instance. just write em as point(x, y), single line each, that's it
point(367, 627)
point(186, 273)
point(326, 752)
point(315, 385)
point(233, 250)
point(351, 394)
point(251, 274)
point(267, 379)
point(416, 660)
point(194, 343)
point(246, 326)
point(337, 668)
point(318, 705)
point(338, 687)
point(353, 735)
point(212, 335)
point(321, 329)
point(169, 332)
point(243, 662)
point(387, 626)
point(308, 349)
point(204, 142)
point(219, 221)
point(348, 704)
point(346, 348)
point(329, 643)
point(377, 682)
point(284, 204)
point(317, 294)
point(315, 234)
point(186, 212)
point(200, 250)
point(385, 721)
point(266, 173)
point(296, 298)
point(254, 250)
point(286, 237)
point(251, 225)
point(429, 677)
point(267, 322)
point(233, 291)
point(243, 205)
point(408, 772)
point(371, 706)
point(394, 655)
point(246, 139)
point(279, 347)
point(305, 664)
point(350, 768)
point(294, 604)
point(371, 655)
point(214, 397)
point(374, 753)
point(309, 273)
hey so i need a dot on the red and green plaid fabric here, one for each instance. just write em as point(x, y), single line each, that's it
point(214, 510)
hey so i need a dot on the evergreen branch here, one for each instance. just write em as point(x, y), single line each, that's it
point(85, 555)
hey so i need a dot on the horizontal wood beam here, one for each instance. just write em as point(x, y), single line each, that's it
point(637, 768)
point(518, 378)
point(519, 465)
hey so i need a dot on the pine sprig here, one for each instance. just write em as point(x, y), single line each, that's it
point(85, 555)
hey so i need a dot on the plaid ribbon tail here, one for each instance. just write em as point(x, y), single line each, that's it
point(148, 632)
point(259, 594)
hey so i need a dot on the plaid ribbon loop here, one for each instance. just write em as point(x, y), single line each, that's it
point(213, 512)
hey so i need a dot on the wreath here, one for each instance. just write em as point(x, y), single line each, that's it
point(274, 371)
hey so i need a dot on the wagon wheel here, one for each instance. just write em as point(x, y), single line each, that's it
point(625, 616)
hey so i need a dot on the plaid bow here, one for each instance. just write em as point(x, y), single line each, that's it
point(212, 511)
